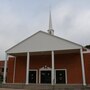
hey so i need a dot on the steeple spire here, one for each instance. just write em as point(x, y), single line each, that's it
point(50, 30)
point(50, 20)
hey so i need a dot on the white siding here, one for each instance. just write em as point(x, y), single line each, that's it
point(43, 42)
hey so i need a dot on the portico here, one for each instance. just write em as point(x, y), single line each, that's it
point(39, 64)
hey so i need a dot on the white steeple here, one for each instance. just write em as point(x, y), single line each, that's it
point(50, 30)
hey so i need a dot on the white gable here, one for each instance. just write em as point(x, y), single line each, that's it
point(42, 41)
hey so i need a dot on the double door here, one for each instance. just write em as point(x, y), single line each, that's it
point(60, 76)
point(45, 76)
point(32, 76)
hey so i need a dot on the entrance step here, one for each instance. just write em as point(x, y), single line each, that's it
point(45, 87)
point(14, 86)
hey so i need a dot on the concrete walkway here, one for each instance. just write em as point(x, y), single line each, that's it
point(10, 89)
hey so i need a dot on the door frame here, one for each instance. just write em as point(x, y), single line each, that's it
point(36, 74)
point(44, 69)
point(65, 74)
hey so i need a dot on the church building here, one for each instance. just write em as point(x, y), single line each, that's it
point(44, 58)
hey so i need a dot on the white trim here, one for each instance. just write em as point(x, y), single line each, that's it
point(27, 67)
point(65, 74)
point(44, 70)
point(83, 68)
point(14, 70)
point(36, 74)
point(5, 69)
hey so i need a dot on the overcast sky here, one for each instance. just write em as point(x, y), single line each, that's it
point(21, 18)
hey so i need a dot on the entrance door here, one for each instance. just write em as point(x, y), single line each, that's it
point(60, 77)
point(46, 77)
point(32, 76)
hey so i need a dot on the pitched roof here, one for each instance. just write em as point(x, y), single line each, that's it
point(42, 41)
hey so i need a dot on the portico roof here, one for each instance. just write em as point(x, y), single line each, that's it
point(42, 41)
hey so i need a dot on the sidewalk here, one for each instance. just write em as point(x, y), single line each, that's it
point(10, 89)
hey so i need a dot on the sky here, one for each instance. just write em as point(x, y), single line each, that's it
point(20, 19)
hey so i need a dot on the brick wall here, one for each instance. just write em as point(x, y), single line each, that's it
point(71, 62)
point(87, 67)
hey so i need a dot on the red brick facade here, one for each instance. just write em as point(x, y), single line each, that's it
point(87, 67)
point(10, 71)
point(71, 62)
point(1, 70)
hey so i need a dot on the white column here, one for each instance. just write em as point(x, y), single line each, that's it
point(83, 68)
point(27, 68)
point(53, 79)
point(14, 70)
point(5, 70)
